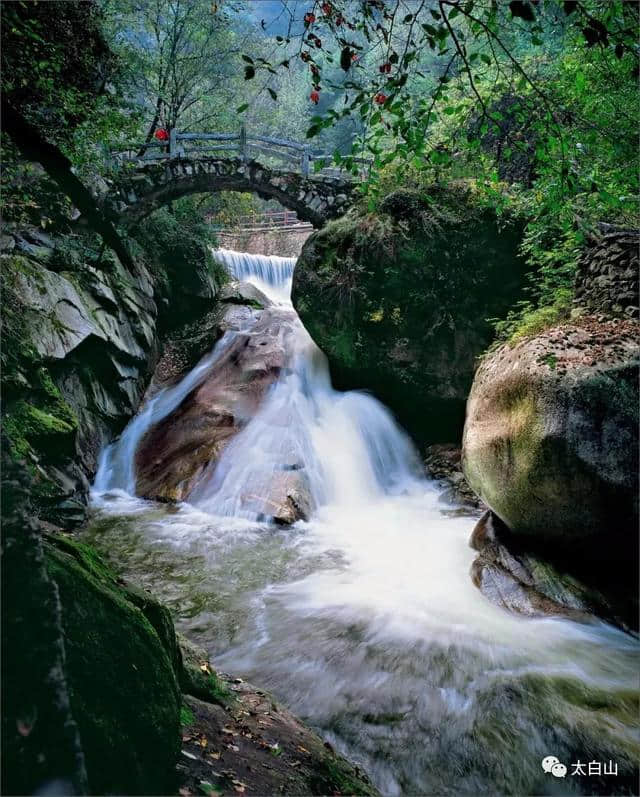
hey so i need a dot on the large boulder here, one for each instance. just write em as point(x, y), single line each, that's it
point(121, 665)
point(399, 300)
point(179, 452)
point(551, 439)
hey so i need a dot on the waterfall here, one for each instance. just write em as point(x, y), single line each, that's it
point(347, 444)
point(270, 273)
point(116, 466)
point(346, 447)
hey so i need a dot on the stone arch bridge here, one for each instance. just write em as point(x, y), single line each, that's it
point(143, 184)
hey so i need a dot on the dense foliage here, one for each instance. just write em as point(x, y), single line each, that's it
point(535, 101)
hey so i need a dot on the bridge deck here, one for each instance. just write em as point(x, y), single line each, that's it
point(294, 155)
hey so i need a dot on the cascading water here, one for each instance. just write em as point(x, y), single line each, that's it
point(364, 620)
point(270, 273)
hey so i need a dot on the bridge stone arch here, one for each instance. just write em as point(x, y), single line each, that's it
point(142, 187)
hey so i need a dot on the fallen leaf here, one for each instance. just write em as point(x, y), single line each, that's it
point(203, 741)
point(184, 792)
point(215, 756)
point(189, 755)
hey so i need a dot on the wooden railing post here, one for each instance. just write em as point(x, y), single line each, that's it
point(243, 143)
point(173, 143)
point(305, 163)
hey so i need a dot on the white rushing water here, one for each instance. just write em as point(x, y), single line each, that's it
point(364, 619)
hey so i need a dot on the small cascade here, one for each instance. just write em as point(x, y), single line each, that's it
point(342, 447)
point(270, 273)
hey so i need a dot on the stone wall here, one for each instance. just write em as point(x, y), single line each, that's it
point(607, 280)
point(286, 242)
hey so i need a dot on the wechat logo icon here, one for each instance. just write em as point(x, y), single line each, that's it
point(552, 766)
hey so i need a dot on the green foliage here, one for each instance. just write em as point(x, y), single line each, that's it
point(527, 320)
point(178, 239)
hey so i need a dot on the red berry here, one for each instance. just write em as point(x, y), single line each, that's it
point(314, 96)
point(380, 98)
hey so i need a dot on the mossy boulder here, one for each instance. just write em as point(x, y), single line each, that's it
point(121, 675)
point(551, 441)
point(398, 299)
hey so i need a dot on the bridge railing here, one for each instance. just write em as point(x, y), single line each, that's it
point(292, 154)
point(269, 220)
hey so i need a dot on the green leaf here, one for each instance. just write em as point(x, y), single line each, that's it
point(272, 93)
point(249, 72)
point(242, 108)
point(247, 58)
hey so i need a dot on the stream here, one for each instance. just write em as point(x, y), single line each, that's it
point(363, 620)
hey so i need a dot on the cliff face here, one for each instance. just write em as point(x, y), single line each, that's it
point(81, 337)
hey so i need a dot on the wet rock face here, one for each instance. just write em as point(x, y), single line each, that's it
point(398, 301)
point(551, 439)
point(79, 340)
point(181, 449)
point(443, 462)
point(524, 582)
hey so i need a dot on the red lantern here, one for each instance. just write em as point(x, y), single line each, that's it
point(161, 134)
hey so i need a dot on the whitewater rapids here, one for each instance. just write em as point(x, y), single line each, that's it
point(364, 620)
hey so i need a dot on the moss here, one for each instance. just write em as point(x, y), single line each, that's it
point(522, 323)
point(398, 298)
point(335, 776)
point(187, 716)
point(197, 678)
point(44, 424)
point(87, 557)
point(124, 694)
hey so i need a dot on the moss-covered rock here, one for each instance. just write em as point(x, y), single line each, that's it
point(551, 442)
point(123, 686)
point(399, 300)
